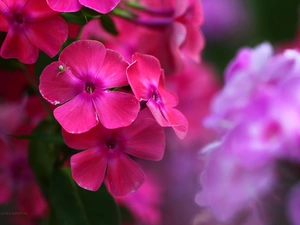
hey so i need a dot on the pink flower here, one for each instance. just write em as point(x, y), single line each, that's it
point(146, 79)
point(172, 28)
point(145, 203)
point(27, 25)
point(103, 6)
point(107, 154)
point(82, 81)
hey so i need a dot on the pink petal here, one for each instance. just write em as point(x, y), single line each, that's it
point(116, 109)
point(146, 139)
point(100, 6)
point(94, 137)
point(113, 70)
point(88, 168)
point(178, 121)
point(37, 9)
point(169, 117)
point(124, 176)
point(78, 115)
point(85, 57)
point(5, 188)
point(65, 5)
point(48, 40)
point(157, 113)
point(57, 86)
point(17, 45)
point(31, 200)
point(169, 98)
point(14, 4)
point(142, 73)
point(4, 17)
point(194, 42)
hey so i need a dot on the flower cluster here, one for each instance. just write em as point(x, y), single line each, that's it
point(257, 116)
point(100, 116)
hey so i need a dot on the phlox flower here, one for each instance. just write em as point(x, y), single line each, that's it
point(27, 25)
point(172, 28)
point(260, 107)
point(107, 154)
point(146, 79)
point(103, 6)
point(145, 203)
point(81, 81)
point(228, 187)
point(17, 181)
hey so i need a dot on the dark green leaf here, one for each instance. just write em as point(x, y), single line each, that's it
point(44, 150)
point(76, 206)
point(108, 24)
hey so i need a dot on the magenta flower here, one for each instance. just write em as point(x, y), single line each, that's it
point(27, 25)
point(81, 81)
point(103, 6)
point(107, 154)
point(146, 79)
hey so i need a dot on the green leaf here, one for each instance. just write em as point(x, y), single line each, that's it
point(75, 17)
point(108, 24)
point(44, 150)
point(76, 206)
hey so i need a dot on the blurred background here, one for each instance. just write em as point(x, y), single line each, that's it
point(168, 195)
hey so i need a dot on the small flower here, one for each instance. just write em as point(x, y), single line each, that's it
point(82, 82)
point(146, 79)
point(27, 25)
point(103, 6)
point(107, 154)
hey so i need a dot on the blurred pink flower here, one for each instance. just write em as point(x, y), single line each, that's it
point(17, 181)
point(103, 6)
point(82, 82)
point(228, 187)
point(27, 25)
point(172, 28)
point(144, 204)
point(106, 156)
point(146, 79)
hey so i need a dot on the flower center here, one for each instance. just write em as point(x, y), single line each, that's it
point(90, 87)
point(18, 18)
point(156, 96)
point(111, 144)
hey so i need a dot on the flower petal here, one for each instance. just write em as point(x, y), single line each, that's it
point(84, 57)
point(65, 6)
point(78, 115)
point(116, 109)
point(146, 139)
point(17, 45)
point(142, 73)
point(178, 121)
point(94, 137)
point(4, 17)
point(169, 117)
point(37, 9)
point(102, 7)
point(113, 70)
point(88, 168)
point(59, 86)
point(124, 176)
point(48, 40)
